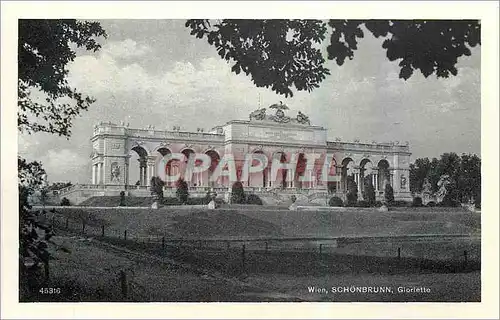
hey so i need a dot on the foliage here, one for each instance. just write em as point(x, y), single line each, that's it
point(65, 202)
point(44, 50)
point(59, 185)
point(389, 194)
point(352, 192)
point(122, 198)
point(401, 203)
point(156, 187)
point(237, 193)
point(464, 172)
point(182, 192)
point(335, 202)
point(253, 199)
point(293, 198)
point(431, 204)
point(282, 54)
point(363, 204)
point(417, 202)
point(33, 245)
point(369, 191)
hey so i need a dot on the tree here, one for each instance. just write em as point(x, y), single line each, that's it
point(464, 172)
point(352, 191)
point(389, 194)
point(156, 188)
point(418, 173)
point(45, 104)
point(44, 50)
point(182, 192)
point(122, 198)
point(369, 191)
point(282, 54)
point(238, 193)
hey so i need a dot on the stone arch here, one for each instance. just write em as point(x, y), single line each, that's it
point(214, 162)
point(347, 172)
point(137, 174)
point(366, 173)
point(281, 179)
point(333, 170)
point(259, 179)
point(300, 170)
point(384, 175)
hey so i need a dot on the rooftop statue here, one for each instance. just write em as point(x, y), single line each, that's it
point(303, 119)
point(259, 114)
point(280, 114)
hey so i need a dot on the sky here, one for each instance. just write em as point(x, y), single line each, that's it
point(153, 72)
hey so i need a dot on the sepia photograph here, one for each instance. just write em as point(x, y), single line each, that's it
point(249, 160)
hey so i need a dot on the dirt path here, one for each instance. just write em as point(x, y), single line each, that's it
point(91, 272)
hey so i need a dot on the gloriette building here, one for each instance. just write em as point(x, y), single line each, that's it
point(268, 131)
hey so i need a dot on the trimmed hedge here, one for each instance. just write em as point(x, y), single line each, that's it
point(335, 202)
point(417, 202)
point(253, 199)
point(363, 204)
point(65, 202)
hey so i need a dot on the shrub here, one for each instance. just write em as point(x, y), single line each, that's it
point(431, 204)
point(477, 201)
point(363, 204)
point(65, 202)
point(352, 192)
point(293, 198)
point(171, 201)
point(122, 198)
point(197, 201)
point(253, 199)
point(369, 192)
point(156, 188)
point(417, 202)
point(237, 193)
point(378, 204)
point(389, 194)
point(335, 202)
point(182, 192)
point(400, 203)
point(448, 201)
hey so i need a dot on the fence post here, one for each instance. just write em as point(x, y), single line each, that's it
point(67, 223)
point(102, 227)
point(163, 242)
point(53, 220)
point(227, 245)
point(125, 235)
point(399, 253)
point(243, 258)
point(123, 282)
point(320, 248)
point(83, 227)
point(465, 257)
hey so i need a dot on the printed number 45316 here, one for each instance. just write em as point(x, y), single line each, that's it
point(50, 290)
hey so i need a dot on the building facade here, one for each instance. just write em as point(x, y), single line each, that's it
point(268, 131)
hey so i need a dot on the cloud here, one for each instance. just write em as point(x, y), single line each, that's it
point(125, 49)
point(63, 164)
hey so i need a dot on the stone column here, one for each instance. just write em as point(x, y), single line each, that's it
point(269, 180)
point(94, 174)
point(356, 178)
point(125, 172)
point(290, 177)
point(99, 169)
point(150, 171)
